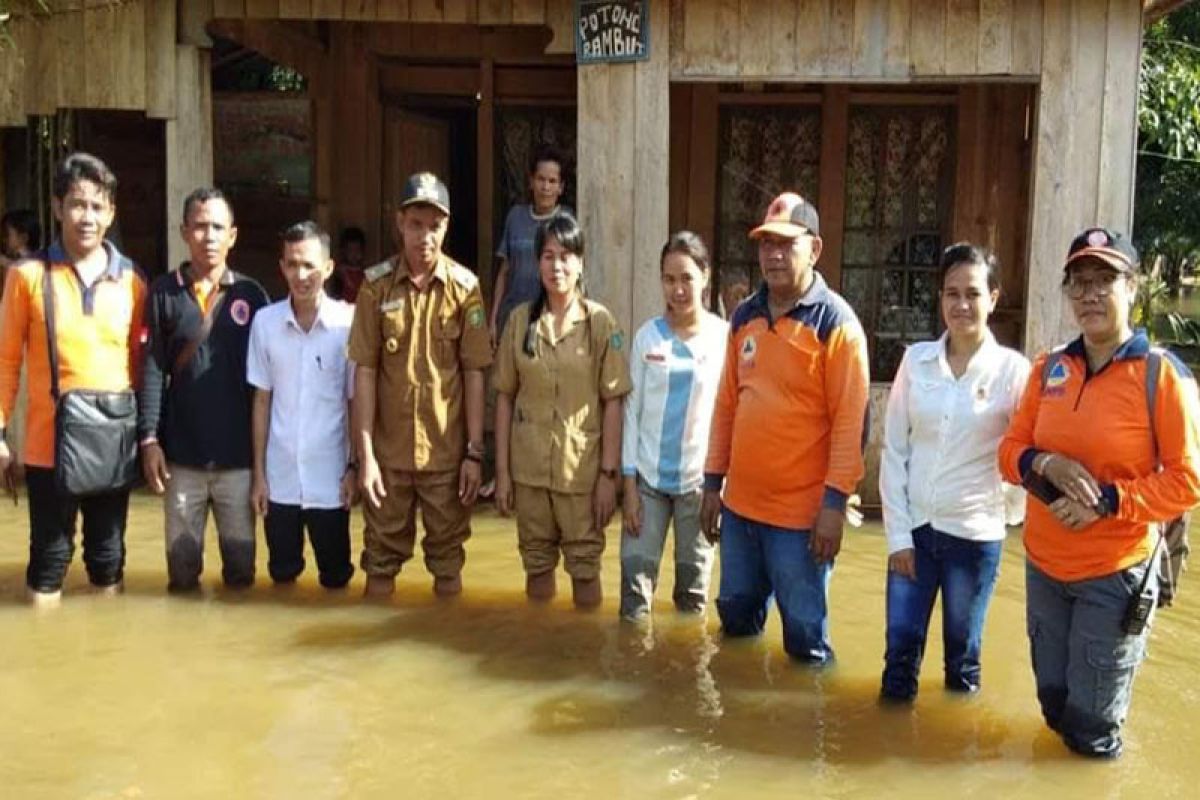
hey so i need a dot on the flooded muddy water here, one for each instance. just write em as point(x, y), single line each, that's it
point(303, 694)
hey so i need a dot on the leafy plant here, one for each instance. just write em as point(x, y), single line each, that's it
point(1167, 218)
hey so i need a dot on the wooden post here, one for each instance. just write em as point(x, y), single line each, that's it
point(189, 140)
point(1084, 160)
point(623, 176)
point(485, 127)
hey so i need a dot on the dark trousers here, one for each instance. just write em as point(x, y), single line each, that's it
point(329, 532)
point(964, 573)
point(52, 533)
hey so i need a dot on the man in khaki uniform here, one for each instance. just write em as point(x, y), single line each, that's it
point(420, 342)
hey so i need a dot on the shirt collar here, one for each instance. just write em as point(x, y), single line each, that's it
point(1136, 346)
point(57, 254)
point(324, 308)
point(439, 268)
point(184, 275)
point(986, 348)
point(817, 292)
point(577, 312)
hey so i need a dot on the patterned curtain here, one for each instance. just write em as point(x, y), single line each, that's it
point(763, 151)
point(899, 190)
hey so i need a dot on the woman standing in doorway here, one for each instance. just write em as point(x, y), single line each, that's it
point(517, 278)
point(944, 503)
point(675, 364)
point(560, 376)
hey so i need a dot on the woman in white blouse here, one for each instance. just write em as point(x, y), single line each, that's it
point(944, 505)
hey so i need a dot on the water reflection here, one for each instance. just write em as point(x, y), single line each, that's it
point(300, 693)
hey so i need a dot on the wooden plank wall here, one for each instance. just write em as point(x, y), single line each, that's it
point(1085, 149)
point(557, 15)
point(879, 40)
point(130, 59)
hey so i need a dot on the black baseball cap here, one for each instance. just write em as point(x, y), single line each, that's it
point(1108, 246)
point(426, 188)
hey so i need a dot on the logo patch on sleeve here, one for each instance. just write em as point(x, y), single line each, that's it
point(1056, 381)
point(617, 341)
point(475, 316)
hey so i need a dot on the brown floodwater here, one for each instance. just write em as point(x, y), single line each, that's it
point(304, 694)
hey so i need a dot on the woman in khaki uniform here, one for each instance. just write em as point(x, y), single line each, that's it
point(560, 376)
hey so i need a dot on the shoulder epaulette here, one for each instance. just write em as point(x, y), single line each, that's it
point(378, 271)
point(463, 276)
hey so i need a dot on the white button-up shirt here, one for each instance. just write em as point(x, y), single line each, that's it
point(310, 380)
point(940, 441)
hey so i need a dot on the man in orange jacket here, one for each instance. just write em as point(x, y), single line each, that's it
point(98, 296)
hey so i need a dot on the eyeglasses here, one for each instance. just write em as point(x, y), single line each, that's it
point(1099, 287)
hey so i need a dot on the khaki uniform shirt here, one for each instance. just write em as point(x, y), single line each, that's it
point(558, 412)
point(419, 342)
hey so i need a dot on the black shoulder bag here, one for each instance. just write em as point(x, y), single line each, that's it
point(95, 432)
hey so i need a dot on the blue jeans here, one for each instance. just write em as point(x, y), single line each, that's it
point(758, 560)
point(965, 572)
point(1083, 662)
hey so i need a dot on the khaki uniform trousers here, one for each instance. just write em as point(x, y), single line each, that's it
point(391, 529)
point(549, 522)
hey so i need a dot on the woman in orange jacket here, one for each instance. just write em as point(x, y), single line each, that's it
point(1098, 417)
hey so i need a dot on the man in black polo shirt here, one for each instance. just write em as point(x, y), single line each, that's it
point(195, 404)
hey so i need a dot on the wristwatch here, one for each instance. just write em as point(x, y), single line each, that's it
point(611, 474)
point(351, 466)
point(475, 452)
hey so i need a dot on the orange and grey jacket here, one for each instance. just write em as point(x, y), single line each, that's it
point(99, 336)
point(790, 419)
point(1102, 421)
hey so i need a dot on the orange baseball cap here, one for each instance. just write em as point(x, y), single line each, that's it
point(791, 216)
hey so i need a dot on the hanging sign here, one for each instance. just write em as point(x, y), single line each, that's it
point(611, 30)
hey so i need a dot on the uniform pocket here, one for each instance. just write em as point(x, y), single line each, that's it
point(446, 333)
point(1113, 663)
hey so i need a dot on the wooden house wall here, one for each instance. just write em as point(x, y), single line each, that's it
point(1082, 55)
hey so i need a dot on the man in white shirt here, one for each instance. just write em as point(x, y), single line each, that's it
point(304, 475)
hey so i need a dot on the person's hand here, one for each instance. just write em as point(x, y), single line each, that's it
point(710, 515)
point(370, 481)
point(504, 493)
point(1073, 515)
point(1071, 478)
point(260, 495)
point(604, 501)
point(470, 478)
point(904, 562)
point(631, 511)
point(348, 491)
point(826, 539)
point(154, 467)
point(6, 458)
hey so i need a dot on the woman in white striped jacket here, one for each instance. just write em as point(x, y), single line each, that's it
point(675, 364)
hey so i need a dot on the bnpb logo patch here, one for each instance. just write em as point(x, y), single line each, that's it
point(1056, 381)
point(240, 311)
point(749, 348)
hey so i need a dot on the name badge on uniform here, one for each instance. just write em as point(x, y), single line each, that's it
point(391, 305)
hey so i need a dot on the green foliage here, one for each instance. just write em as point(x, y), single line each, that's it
point(1167, 218)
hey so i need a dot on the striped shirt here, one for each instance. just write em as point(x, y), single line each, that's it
point(669, 411)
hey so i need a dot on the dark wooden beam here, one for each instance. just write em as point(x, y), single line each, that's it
point(282, 42)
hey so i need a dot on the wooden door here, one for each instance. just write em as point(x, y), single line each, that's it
point(412, 142)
